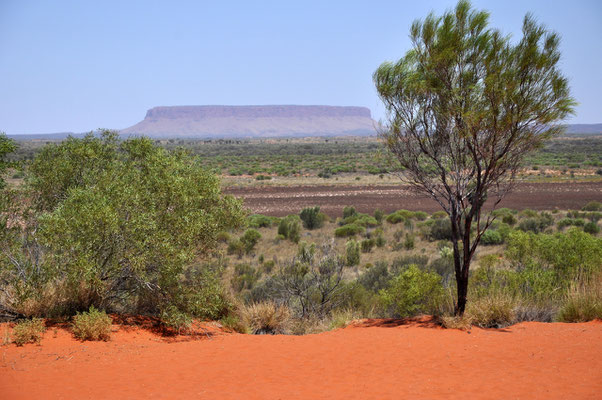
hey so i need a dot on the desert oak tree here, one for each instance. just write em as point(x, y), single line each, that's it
point(465, 105)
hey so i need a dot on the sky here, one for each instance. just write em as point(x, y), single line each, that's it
point(76, 66)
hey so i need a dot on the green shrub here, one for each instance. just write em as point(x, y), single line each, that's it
point(593, 206)
point(352, 253)
point(250, 239)
point(312, 218)
point(236, 247)
point(349, 230)
point(92, 325)
point(509, 219)
point(379, 215)
point(409, 241)
point(290, 228)
point(173, 318)
point(375, 278)
point(583, 303)
point(413, 291)
point(591, 228)
point(28, 331)
point(491, 237)
point(259, 221)
point(245, 277)
point(441, 230)
point(348, 211)
point(536, 224)
point(380, 241)
point(367, 245)
point(439, 215)
point(401, 263)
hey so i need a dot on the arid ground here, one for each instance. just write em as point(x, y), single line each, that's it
point(371, 359)
point(283, 200)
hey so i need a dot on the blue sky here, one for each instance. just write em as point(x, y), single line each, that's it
point(82, 65)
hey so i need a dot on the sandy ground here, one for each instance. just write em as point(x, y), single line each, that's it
point(283, 200)
point(368, 360)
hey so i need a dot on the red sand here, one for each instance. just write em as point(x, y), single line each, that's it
point(371, 360)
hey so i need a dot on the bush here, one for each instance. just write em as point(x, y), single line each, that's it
point(259, 221)
point(439, 215)
point(349, 230)
point(409, 241)
point(376, 278)
point(401, 263)
point(583, 302)
point(593, 206)
point(412, 292)
point(312, 218)
point(290, 228)
point(349, 211)
point(441, 230)
point(380, 241)
point(591, 228)
point(492, 311)
point(249, 240)
point(245, 277)
point(352, 253)
point(509, 219)
point(536, 224)
point(491, 237)
point(267, 318)
point(236, 247)
point(368, 245)
point(92, 325)
point(379, 215)
point(29, 331)
point(174, 318)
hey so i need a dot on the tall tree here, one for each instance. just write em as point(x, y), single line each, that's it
point(465, 105)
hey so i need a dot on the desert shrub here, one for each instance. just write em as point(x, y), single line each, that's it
point(290, 228)
point(349, 211)
point(401, 263)
point(495, 310)
point(312, 218)
point(250, 239)
point(266, 318)
point(441, 229)
point(376, 278)
point(360, 219)
point(409, 241)
point(491, 237)
point(593, 206)
point(420, 215)
point(379, 215)
point(536, 224)
point(257, 221)
point(413, 291)
point(28, 331)
point(118, 220)
point(352, 253)
point(399, 216)
point(349, 230)
point(509, 219)
point(236, 247)
point(245, 277)
point(92, 325)
point(367, 245)
point(234, 323)
point(591, 228)
point(439, 215)
point(443, 266)
point(583, 301)
point(380, 241)
point(173, 318)
point(223, 237)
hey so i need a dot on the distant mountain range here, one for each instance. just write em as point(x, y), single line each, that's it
point(205, 122)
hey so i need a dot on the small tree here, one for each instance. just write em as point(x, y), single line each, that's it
point(7, 146)
point(465, 105)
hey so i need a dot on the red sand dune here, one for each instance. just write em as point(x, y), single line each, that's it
point(368, 360)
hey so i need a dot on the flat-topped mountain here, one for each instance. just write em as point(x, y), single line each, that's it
point(253, 121)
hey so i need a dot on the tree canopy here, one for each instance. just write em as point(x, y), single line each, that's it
point(465, 105)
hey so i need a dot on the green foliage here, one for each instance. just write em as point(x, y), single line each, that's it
point(245, 277)
point(7, 146)
point(360, 219)
point(290, 228)
point(367, 245)
point(172, 317)
point(441, 229)
point(349, 211)
point(402, 263)
point(491, 237)
point(28, 331)
point(591, 228)
point(249, 240)
point(536, 223)
point(312, 218)
point(352, 253)
point(409, 241)
point(376, 277)
point(259, 221)
point(413, 291)
point(349, 230)
point(593, 206)
point(379, 215)
point(92, 325)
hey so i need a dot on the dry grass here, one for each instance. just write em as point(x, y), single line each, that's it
point(495, 310)
point(267, 318)
point(92, 325)
point(583, 302)
point(29, 331)
point(463, 323)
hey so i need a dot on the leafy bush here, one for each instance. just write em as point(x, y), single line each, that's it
point(92, 325)
point(591, 228)
point(290, 228)
point(376, 278)
point(379, 215)
point(509, 219)
point(491, 237)
point(441, 229)
point(266, 318)
point(380, 241)
point(173, 318)
point(439, 215)
point(349, 211)
point(401, 263)
point(349, 230)
point(28, 331)
point(409, 241)
point(593, 206)
point(352, 253)
point(245, 277)
point(367, 245)
point(536, 224)
point(412, 292)
point(312, 218)
point(250, 239)
point(259, 221)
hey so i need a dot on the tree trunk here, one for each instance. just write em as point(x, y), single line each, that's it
point(462, 286)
